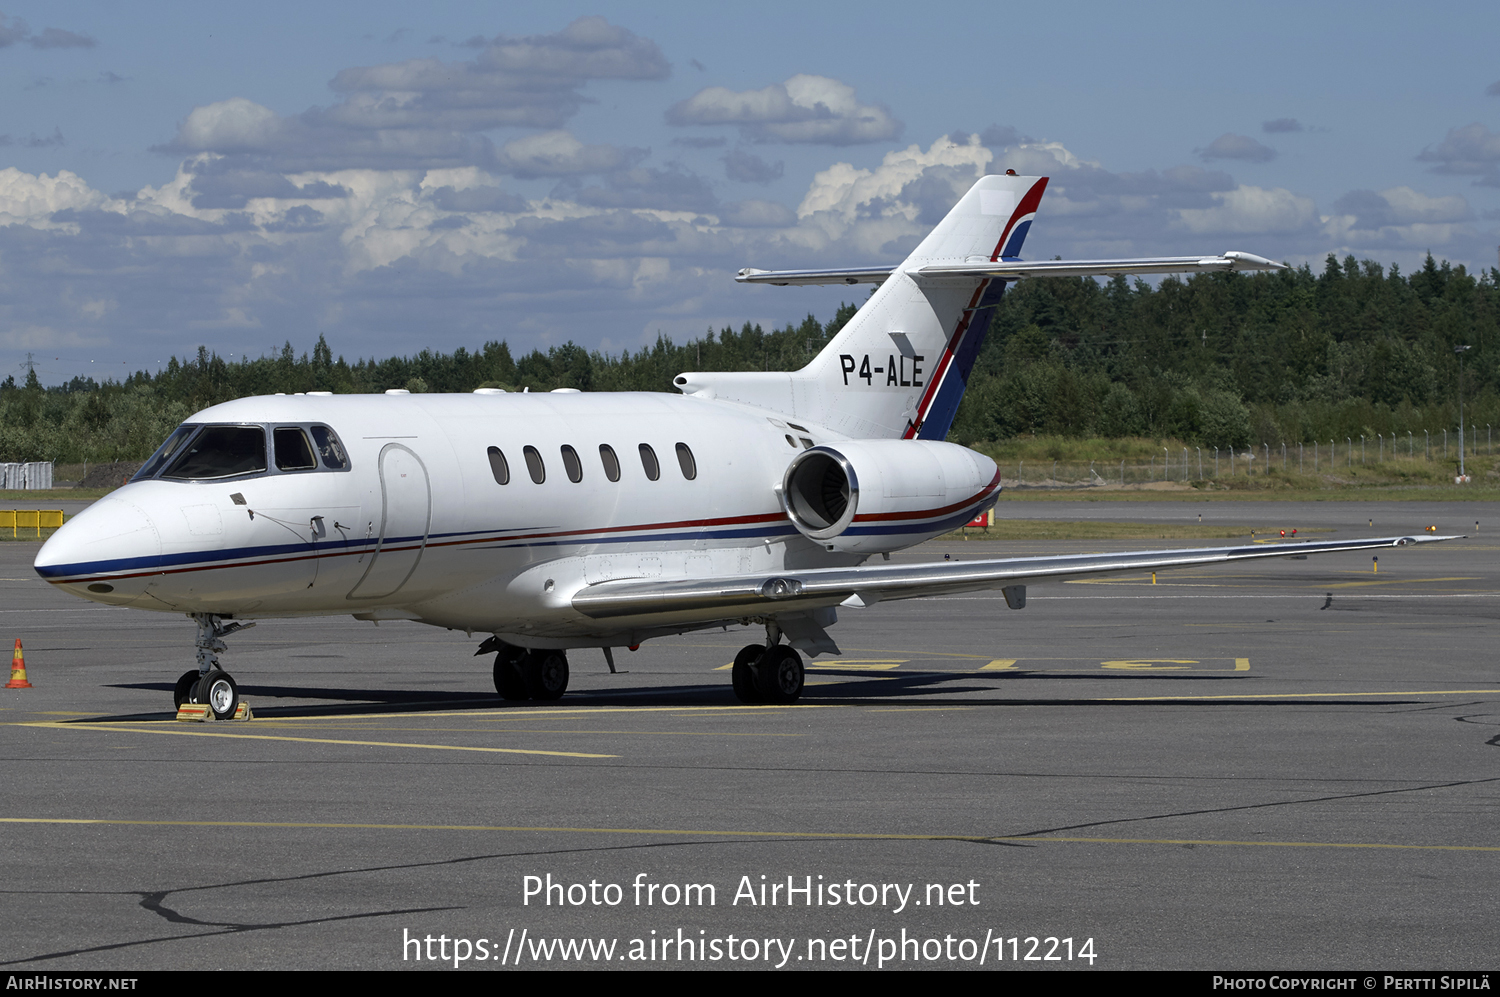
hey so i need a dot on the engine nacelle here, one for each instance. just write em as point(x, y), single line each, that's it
point(874, 496)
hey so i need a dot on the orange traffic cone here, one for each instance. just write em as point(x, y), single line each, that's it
point(18, 669)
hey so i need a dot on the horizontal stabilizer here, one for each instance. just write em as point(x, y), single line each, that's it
point(1018, 269)
point(798, 591)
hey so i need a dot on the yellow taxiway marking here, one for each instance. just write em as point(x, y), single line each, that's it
point(1242, 664)
point(1304, 695)
point(307, 740)
point(861, 663)
point(538, 730)
point(700, 832)
point(1150, 664)
point(861, 666)
point(999, 665)
point(1393, 581)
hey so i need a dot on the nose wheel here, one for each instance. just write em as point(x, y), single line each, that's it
point(208, 683)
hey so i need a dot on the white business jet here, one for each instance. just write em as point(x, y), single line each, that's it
point(566, 520)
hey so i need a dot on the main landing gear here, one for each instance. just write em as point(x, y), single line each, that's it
point(523, 674)
point(768, 673)
point(209, 683)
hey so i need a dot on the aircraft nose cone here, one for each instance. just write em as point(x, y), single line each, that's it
point(111, 535)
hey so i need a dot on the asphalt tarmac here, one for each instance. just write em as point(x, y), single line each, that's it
point(1284, 765)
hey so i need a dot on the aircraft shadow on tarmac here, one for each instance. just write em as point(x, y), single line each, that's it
point(858, 689)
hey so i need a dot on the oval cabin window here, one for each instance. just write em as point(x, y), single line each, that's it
point(498, 467)
point(572, 464)
point(648, 461)
point(686, 462)
point(534, 464)
point(610, 461)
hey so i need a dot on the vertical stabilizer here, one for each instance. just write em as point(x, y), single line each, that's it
point(899, 368)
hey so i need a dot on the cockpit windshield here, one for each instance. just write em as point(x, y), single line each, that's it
point(196, 452)
point(220, 452)
point(165, 452)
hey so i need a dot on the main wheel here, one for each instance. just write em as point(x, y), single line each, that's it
point(509, 682)
point(743, 673)
point(546, 674)
point(219, 692)
point(183, 691)
point(780, 676)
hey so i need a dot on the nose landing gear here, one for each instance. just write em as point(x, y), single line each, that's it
point(210, 684)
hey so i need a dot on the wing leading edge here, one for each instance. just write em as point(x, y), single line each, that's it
point(799, 591)
point(1017, 269)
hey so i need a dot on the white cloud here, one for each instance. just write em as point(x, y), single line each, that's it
point(1232, 146)
point(1398, 216)
point(804, 109)
point(1472, 150)
point(233, 125)
point(28, 199)
point(1249, 209)
point(560, 153)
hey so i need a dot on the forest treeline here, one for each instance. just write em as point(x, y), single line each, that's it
point(1218, 359)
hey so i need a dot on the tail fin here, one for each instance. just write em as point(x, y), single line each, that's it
point(899, 368)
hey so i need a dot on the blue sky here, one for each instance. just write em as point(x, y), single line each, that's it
point(398, 177)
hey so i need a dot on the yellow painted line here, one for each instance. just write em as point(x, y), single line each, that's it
point(65, 713)
point(861, 666)
point(922, 709)
point(1242, 664)
point(1306, 695)
point(1394, 581)
point(533, 713)
point(699, 832)
point(1150, 664)
point(308, 740)
point(999, 665)
point(725, 668)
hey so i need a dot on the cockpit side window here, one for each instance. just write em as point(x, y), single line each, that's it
point(220, 452)
point(293, 450)
point(330, 449)
point(165, 452)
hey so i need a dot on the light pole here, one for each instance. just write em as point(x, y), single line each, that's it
point(1349, 451)
point(1361, 448)
point(1200, 462)
point(1461, 350)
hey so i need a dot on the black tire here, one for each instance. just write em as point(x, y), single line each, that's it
point(219, 692)
point(743, 673)
point(780, 675)
point(546, 674)
point(509, 682)
point(183, 691)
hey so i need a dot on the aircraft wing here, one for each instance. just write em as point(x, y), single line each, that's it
point(1018, 269)
point(799, 591)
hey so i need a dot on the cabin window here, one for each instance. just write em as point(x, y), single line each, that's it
point(610, 461)
point(220, 452)
point(572, 464)
point(165, 452)
point(648, 461)
point(294, 451)
point(330, 450)
point(686, 462)
point(498, 467)
point(534, 464)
